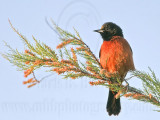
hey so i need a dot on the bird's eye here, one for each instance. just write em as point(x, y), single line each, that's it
point(107, 28)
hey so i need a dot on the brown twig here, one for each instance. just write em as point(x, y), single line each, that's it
point(35, 77)
point(92, 54)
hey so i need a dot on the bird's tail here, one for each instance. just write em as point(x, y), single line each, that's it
point(113, 104)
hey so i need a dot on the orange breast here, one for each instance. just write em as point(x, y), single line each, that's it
point(116, 56)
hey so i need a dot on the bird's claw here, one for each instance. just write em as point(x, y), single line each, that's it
point(127, 85)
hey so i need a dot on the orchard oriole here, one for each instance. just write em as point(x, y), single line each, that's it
point(116, 57)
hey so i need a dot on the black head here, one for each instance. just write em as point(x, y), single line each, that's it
point(108, 30)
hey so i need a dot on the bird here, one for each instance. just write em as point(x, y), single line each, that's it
point(116, 56)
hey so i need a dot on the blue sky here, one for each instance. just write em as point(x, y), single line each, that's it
point(60, 99)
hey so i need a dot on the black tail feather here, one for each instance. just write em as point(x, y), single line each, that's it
point(113, 104)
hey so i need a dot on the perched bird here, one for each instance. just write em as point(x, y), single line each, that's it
point(115, 57)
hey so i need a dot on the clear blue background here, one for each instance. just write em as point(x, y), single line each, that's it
point(59, 99)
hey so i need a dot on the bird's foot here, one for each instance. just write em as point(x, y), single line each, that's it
point(127, 85)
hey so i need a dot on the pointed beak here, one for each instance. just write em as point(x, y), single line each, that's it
point(99, 31)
